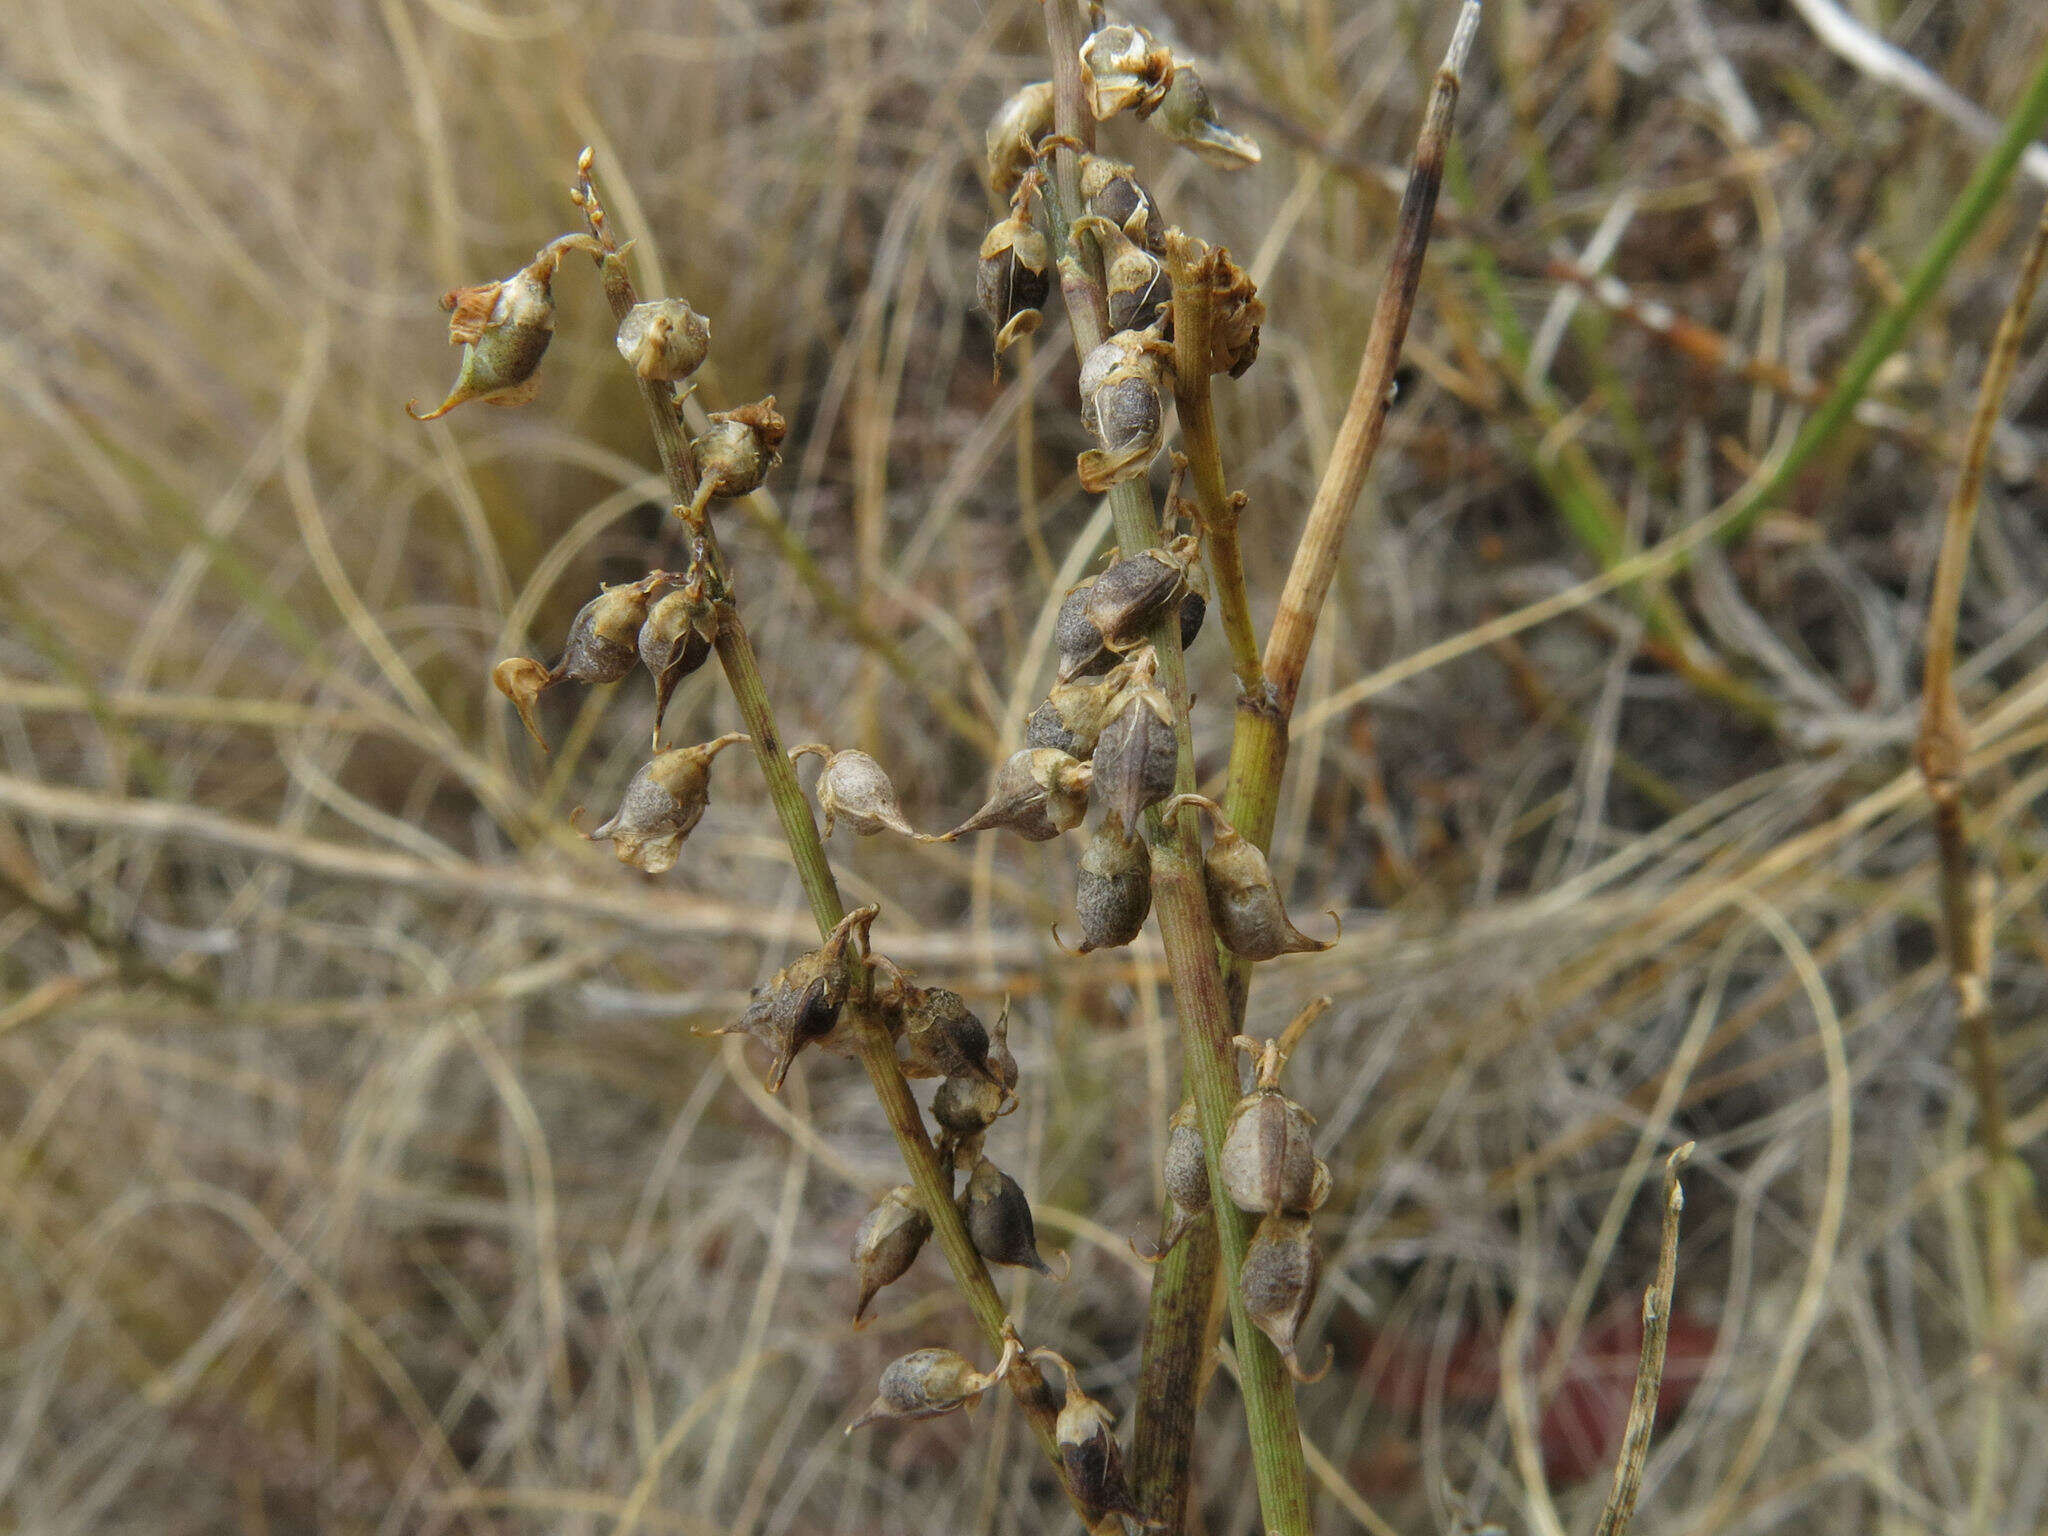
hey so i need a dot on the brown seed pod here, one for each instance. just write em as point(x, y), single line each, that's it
point(802, 1004)
point(1111, 190)
point(1113, 895)
point(1002, 1066)
point(1094, 1461)
point(928, 1382)
point(523, 680)
point(1278, 1284)
point(1076, 639)
point(968, 1105)
point(604, 636)
point(735, 453)
point(1123, 69)
point(1038, 794)
point(998, 1218)
point(1014, 278)
point(1268, 1159)
point(854, 785)
point(674, 641)
point(1186, 1174)
point(1071, 717)
point(665, 340)
point(1235, 314)
point(1131, 595)
point(1244, 901)
point(887, 1243)
point(662, 804)
point(1121, 381)
point(503, 329)
point(1013, 135)
point(1137, 284)
point(1137, 754)
point(941, 1036)
point(1187, 116)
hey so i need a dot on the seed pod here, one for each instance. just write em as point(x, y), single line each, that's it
point(1122, 68)
point(887, 1243)
point(1038, 794)
point(1137, 754)
point(503, 329)
point(604, 636)
point(1014, 278)
point(1089, 1452)
point(735, 453)
point(1268, 1160)
point(674, 641)
point(998, 1218)
point(1137, 284)
point(966, 1106)
point(665, 340)
point(1186, 1170)
point(1244, 901)
point(1002, 1066)
point(1013, 135)
point(1193, 609)
point(803, 1002)
point(664, 801)
point(928, 1382)
point(1113, 895)
point(523, 680)
point(855, 786)
point(1187, 116)
point(1278, 1283)
point(1129, 597)
point(1076, 638)
point(942, 1037)
point(1235, 314)
point(1071, 717)
point(1111, 190)
point(1121, 382)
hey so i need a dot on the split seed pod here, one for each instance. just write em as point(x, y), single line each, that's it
point(1014, 278)
point(942, 1037)
point(1123, 69)
point(662, 804)
point(523, 680)
point(1072, 714)
point(1137, 754)
point(802, 1003)
point(503, 329)
point(998, 1218)
point(1014, 132)
point(887, 1243)
point(604, 636)
point(1133, 593)
point(1038, 794)
point(1113, 895)
point(1121, 382)
point(674, 641)
point(854, 785)
point(735, 453)
point(1269, 1159)
point(1139, 289)
point(1111, 190)
point(665, 340)
point(929, 1382)
point(1089, 1452)
point(1278, 1284)
point(968, 1105)
point(1244, 901)
point(1187, 116)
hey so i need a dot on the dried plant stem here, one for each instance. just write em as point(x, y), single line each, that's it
point(1642, 1408)
point(814, 870)
point(1966, 895)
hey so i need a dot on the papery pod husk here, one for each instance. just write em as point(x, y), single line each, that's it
point(604, 637)
point(1130, 596)
point(1137, 754)
point(1187, 116)
point(888, 1242)
point(855, 788)
point(1268, 1159)
point(1113, 893)
point(1013, 279)
point(1135, 281)
point(940, 1036)
point(804, 1003)
point(969, 1104)
point(998, 1218)
point(1092, 1458)
point(1278, 1284)
point(1013, 134)
point(674, 641)
point(1038, 794)
point(503, 329)
point(734, 455)
point(1236, 312)
point(1122, 405)
point(1122, 69)
point(662, 805)
point(927, 1383)
point(665, 340)
point(523, 680)
point(1111, 190)
point(1245, 904)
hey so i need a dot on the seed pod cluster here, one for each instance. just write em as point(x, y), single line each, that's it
point(665, 340)
point(1121, 385)
point(503, 329)
point(662, 805)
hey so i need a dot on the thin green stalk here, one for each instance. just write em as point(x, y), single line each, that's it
point(800, 830)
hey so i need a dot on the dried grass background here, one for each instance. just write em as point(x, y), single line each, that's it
point(359, 1169)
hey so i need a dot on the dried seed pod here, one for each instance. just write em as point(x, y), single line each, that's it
point(1133, 593)
point(664, 801)
point(1235, 314)
point(1121, 381)
point(1093, 1460)
point(1113, 895)
point(928, 1382)
point(1123, 69)
point(1137, 753)
point(1071, 717)
point(887, 1243)
point(998, 1218)
point(523, 680)
point(854, 785)
point(674, 641)
point(604, 636)
point(968, 1105)
point(1038, 794)
point(802, 1004)
point(1111, 190)
point(735, 453)
point(1076, 638)
point(1138, 287)
point(1278, 1283)
point(942, 1037)
point(1002, 1066)
point(1268, 1159)
point(1186, 1174)
point(1187, 116)
point(1244, 901)
point(1193, 609)
point(1014, 132)
point(503, 329)
point(1014, 278)
point(665, 340)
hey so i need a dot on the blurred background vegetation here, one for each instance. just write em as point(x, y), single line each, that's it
point(358, 1166)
